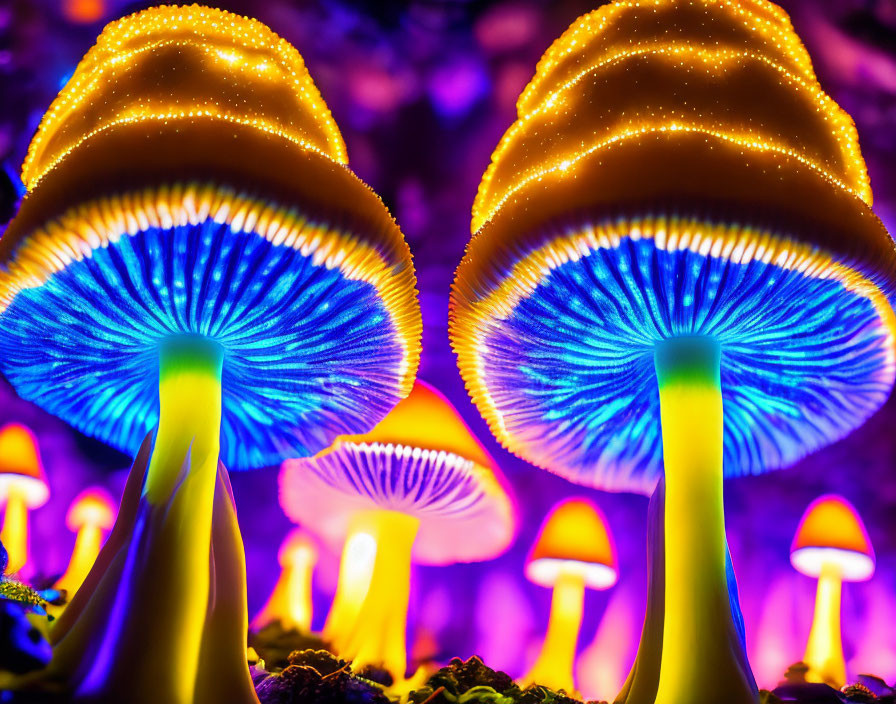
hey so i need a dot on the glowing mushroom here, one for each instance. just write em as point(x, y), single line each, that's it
point(23, 486)
point(832, 546)
point(194, 260)
point(424, 489)
point(90, 516)
point(675, 269)
point(574, 550)
point(290, 602)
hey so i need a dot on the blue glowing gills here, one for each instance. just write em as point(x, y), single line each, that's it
point(570, 369)
point(309, 354)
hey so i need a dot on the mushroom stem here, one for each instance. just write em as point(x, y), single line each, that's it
point(87, 546)
point(702, 654)
point(355, 569)
point(184, 462)
point(290, 602)
point(378, 636)
point(824, 649)
point(14, 534)
point(554, 666)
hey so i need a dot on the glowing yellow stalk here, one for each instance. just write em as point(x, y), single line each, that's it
point(185, 456)
point(14, 534)
point(378, 636)
point(554, 666)
point(355, 570)
point(290, 602)
point(699, 657)
point(824, 650)
point(87, 546)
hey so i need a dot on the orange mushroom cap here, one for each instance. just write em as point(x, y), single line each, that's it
point(831, 531)
point(425, 418)
point(574, 537)
point(92, 507)
point(421, 460)
point(20, 465)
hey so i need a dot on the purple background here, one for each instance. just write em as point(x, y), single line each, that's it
point(422, 92)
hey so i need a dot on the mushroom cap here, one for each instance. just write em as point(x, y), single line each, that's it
point(674, 176)
point(20, 466)
point(574, 538)
point(421, 460)
point(831, 532)
point(296, 546)
point(92, 507)
point(234, 217)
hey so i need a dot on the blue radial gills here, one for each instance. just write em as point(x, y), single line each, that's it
point(421, 483)
point(571, 370)
point(308, 354)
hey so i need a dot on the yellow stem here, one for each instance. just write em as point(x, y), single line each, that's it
point(185, 458)
point(378, 636)
point(290, 601)
point(824, 649)
point(87, 546)
point(14, 534)
point(554, 666)
point(701, 652)
point(355, 570)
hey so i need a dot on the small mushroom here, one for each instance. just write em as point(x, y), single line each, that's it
point(23, 486)
point(832, 546)
point(90, 516)
point(290, 601)
point(574, 550)
point(423, 487)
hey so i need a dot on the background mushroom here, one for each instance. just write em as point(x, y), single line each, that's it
point(290, 601)
point(23, 487)
point(574, 550)
point(675, 268)
point(231, 283)
point(355, 570)
point(832, 546)
point(90, 516)
point(424, 488)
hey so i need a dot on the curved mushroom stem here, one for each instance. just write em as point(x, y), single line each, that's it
point(378, 635)
point(14, 534)
point(355, 570)
point(87, 546)
point(824, 649)
point(702, 656)
point(554, 665)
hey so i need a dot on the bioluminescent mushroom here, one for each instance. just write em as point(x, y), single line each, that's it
point(574, 550)
point(90, 516)
point(675, 269)
point(832, 546)
point(23, 487)
point(355, 571)
point(290, 601)
point(423, 487)
point(194, 255)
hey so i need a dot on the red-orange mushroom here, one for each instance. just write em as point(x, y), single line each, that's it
point(832, 546)
point(90, 516)
point(574, 550)
point(23, 486)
